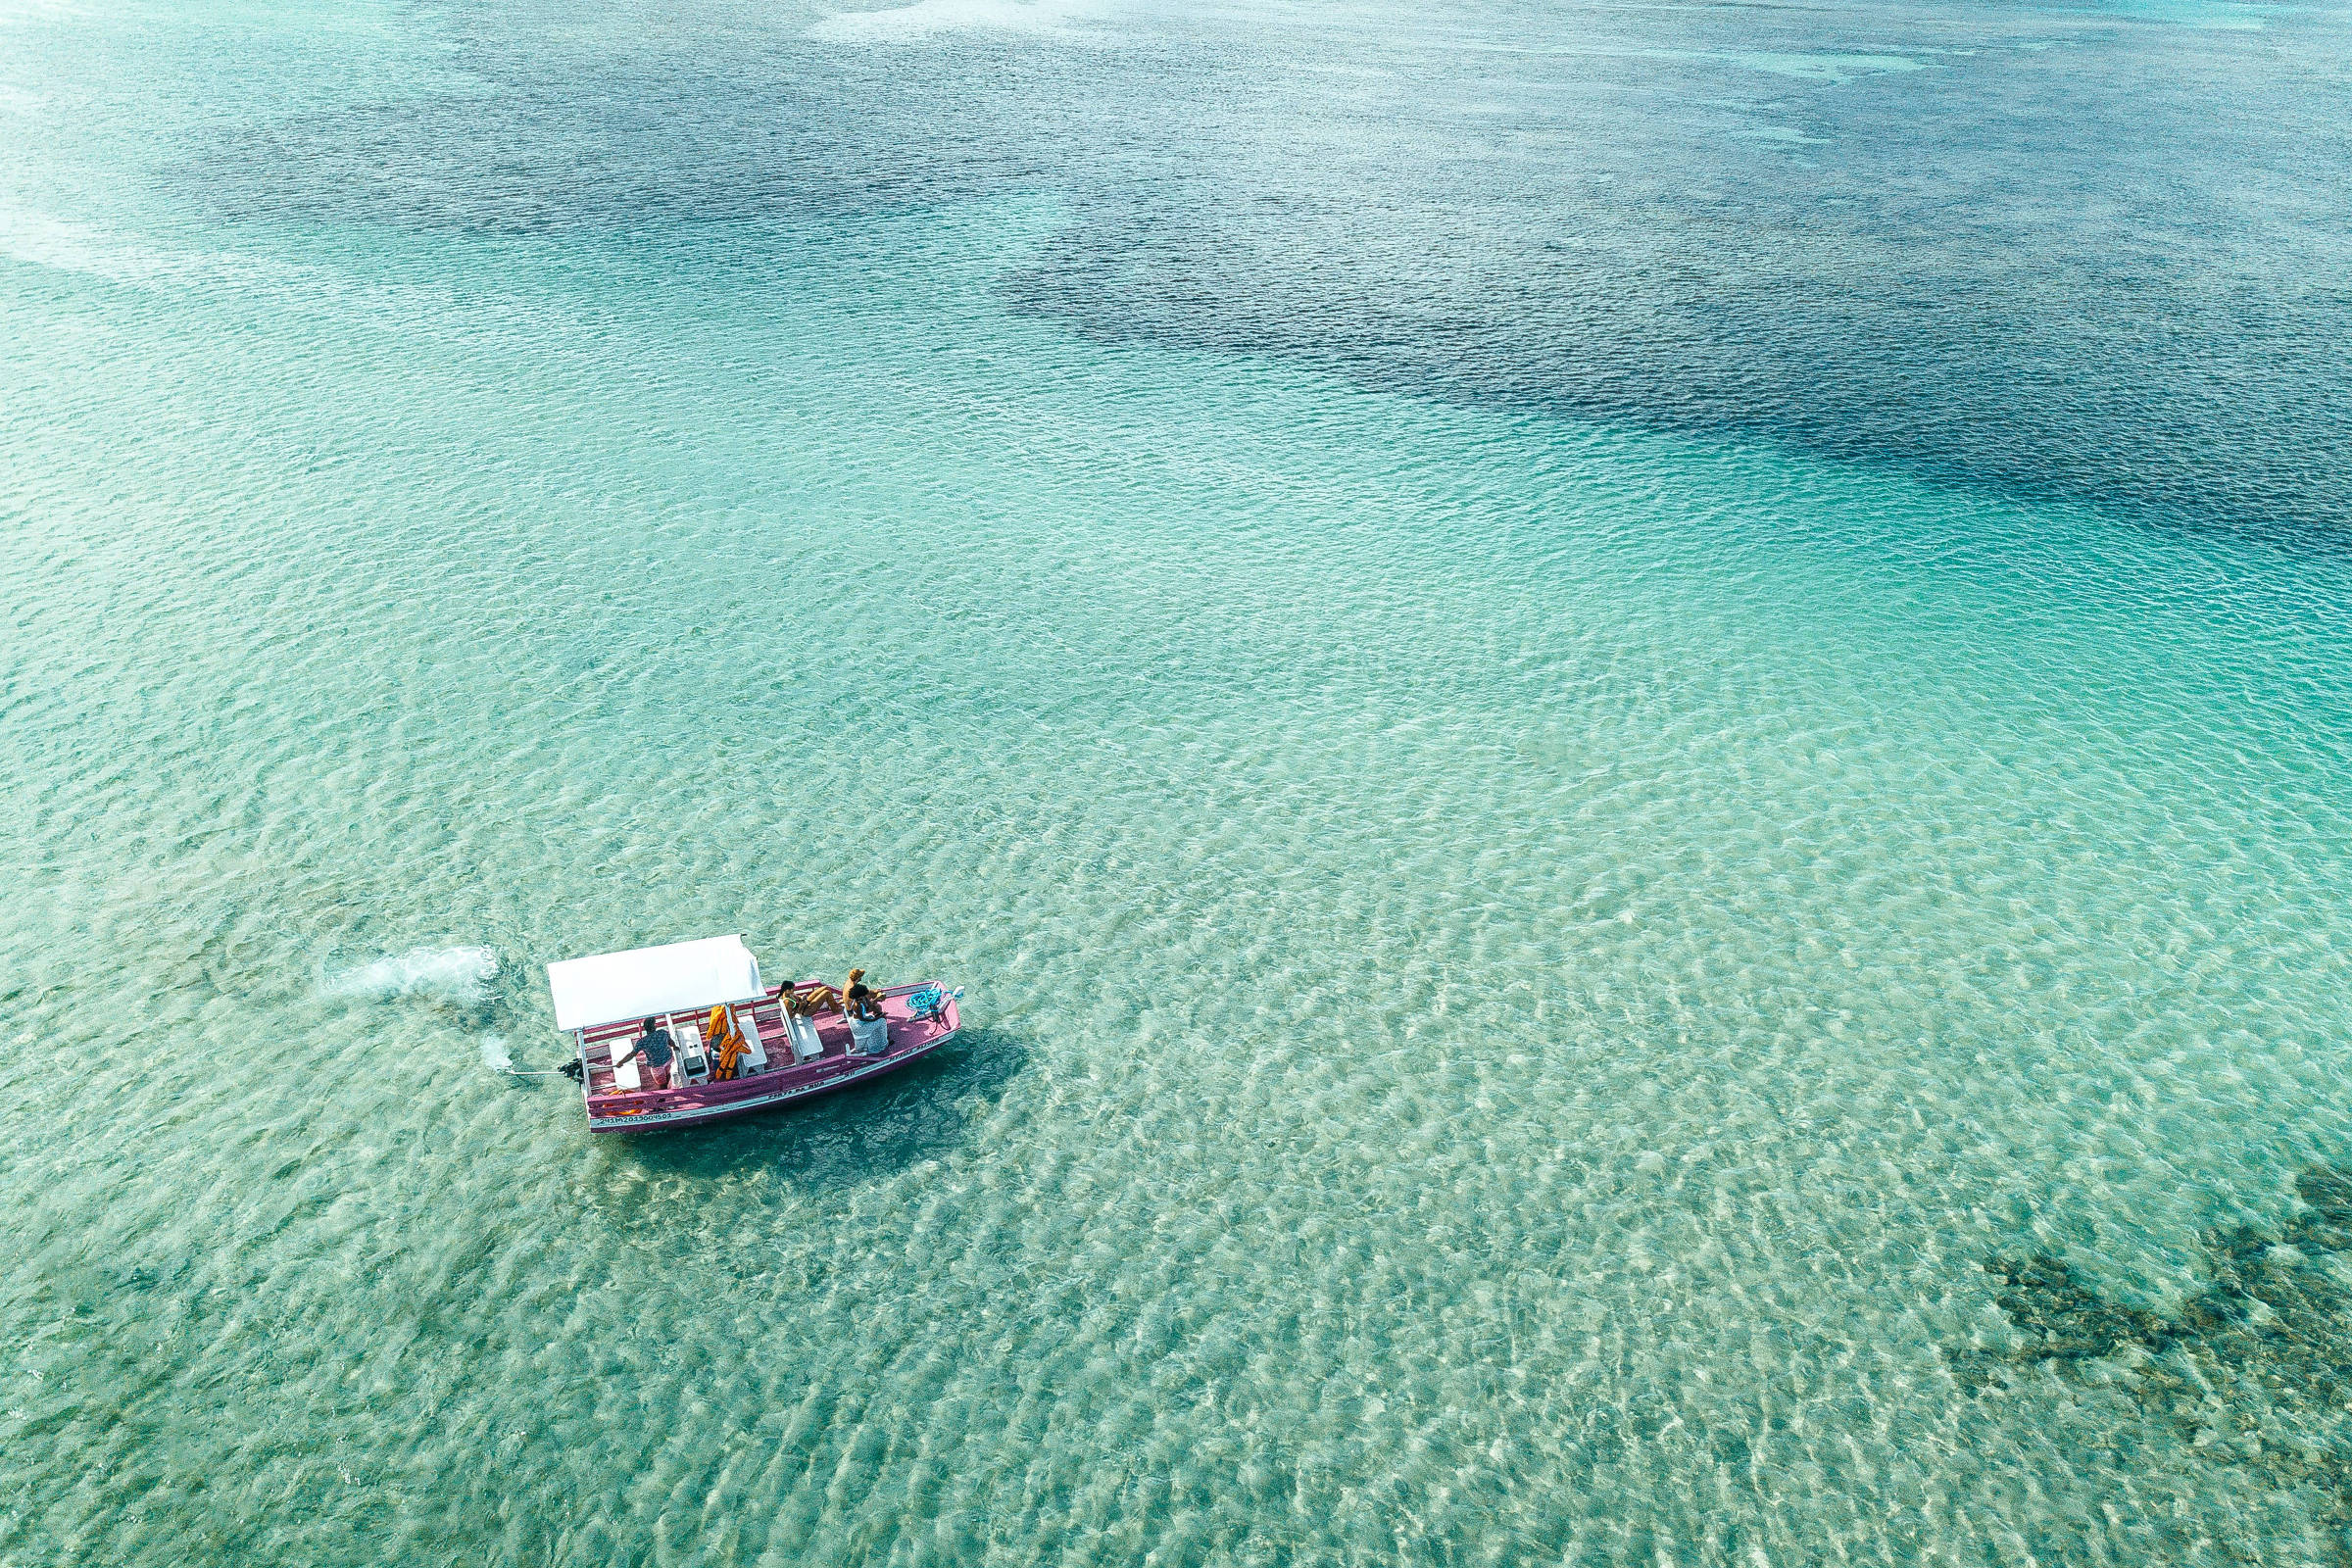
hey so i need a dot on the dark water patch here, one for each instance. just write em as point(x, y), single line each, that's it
point(2073, 262)
point(539, 126)
point(2253, 1370)
point(2070, 253)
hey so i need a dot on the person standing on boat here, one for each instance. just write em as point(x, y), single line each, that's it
point(655, 1047)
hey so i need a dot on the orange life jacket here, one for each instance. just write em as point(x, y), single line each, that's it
point(726, 1041)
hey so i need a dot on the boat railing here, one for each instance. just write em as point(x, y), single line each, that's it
point(614, 1038)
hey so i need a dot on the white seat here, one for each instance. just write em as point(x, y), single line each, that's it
point(624, 1073)
point(869, 1037)
point(800, 1029)
point(755, 1054)
point(694, 1064)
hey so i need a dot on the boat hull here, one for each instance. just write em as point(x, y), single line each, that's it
point(911, 1039)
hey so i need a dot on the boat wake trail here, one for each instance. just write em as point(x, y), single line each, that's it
point(449, 974)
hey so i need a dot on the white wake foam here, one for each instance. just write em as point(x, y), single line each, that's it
point(454, 974)
point(67, 246)
point(495, 1054)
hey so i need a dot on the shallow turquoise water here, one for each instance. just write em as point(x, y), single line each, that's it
point(1519, 962)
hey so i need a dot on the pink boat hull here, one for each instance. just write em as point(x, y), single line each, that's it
point(614, 1111)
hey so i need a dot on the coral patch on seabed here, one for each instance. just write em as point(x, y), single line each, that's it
point(2254, 1370)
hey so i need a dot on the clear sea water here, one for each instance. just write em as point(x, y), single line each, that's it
point(1594, 697)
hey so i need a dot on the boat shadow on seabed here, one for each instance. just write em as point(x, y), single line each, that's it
point(921, 1111)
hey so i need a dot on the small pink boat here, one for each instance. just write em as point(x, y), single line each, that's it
point(778, 1055)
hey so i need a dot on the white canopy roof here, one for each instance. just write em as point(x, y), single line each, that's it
point(685, 975)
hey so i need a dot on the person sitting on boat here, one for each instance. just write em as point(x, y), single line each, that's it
point(657, 1049)
point(869, 1032)
point(800, 1019)
point(858, 1000)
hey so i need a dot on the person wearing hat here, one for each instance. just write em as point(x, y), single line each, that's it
point(858, 998)
point(869, 1036)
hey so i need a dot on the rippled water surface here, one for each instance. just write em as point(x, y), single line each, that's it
point(1632, 723)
